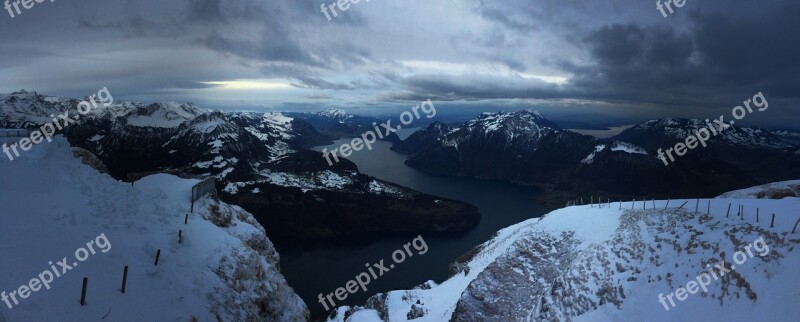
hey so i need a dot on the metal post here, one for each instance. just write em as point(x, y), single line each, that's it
point(83, 291)
point(124, 279)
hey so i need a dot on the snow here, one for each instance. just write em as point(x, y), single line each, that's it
point(617, 146)
point(441, 299)
point(628, 148)
point(620, 234)
point(791, 187)
point(277, 118)
point(167, 115)
point(336, 114)
point(590, 158)
point(325, 180)
point(52, 204)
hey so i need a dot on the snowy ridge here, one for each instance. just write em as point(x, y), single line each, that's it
point(163, 115)
point(335, 113)
point(679, 129)
point(513, 123)
point(775, 190)
point(224, 269)
point(616, 146)
point(589, 263)
point(23, 108)
point(521, 127)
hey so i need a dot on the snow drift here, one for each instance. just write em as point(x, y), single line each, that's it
point(224, 269)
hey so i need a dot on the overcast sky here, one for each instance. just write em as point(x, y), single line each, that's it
point(589, 57)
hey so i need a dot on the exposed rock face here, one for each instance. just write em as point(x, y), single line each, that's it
point(545, 277)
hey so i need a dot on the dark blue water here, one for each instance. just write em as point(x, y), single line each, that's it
point(314, 269)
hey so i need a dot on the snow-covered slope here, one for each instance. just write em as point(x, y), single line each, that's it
point(603, 263)
point(679, 129)
point(225, 268)
point(775, 190)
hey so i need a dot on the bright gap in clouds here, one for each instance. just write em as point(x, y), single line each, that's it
point(247, 84)
point(421, 66)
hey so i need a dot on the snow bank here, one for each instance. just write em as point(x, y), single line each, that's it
point(51, 204)
point(610, 263)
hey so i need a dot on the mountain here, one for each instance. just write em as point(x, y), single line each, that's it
point(610, 262)
point(757, 152)
point(23, 109)
point(224, 268)
point(338, 123)
point(260, 162)
point(423, 139)
point(524, 147)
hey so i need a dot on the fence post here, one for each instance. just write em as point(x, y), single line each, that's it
point(667, 205)
point(124, 278)
point(83, 291)
point(756, 214)
point(158, 254)
point(708, 209)
point(696, 204)
point(795, 225)
point(180, 236)
point(684, 204)
point(186, 219)
point(742, 212)
point(772, 224)
point(729, 211)
point(654, 203)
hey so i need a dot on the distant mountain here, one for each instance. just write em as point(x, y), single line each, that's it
point(423, 139)
point(757, 152)
point(260, 162)
point(338, 123)
point(526, 148)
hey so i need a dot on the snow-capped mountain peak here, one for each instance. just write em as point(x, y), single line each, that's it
point(163, 115)
point(334, 113)
point(681, 128)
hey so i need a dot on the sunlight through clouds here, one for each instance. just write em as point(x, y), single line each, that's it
point(248, 84)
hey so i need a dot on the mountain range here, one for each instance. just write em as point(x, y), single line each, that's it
point(260, 161)
point(526, 148)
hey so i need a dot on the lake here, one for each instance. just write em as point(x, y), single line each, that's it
point(321, 268)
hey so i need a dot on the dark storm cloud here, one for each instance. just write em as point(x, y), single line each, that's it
point(710, 56)
point(610, 52)
point(722, 55)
